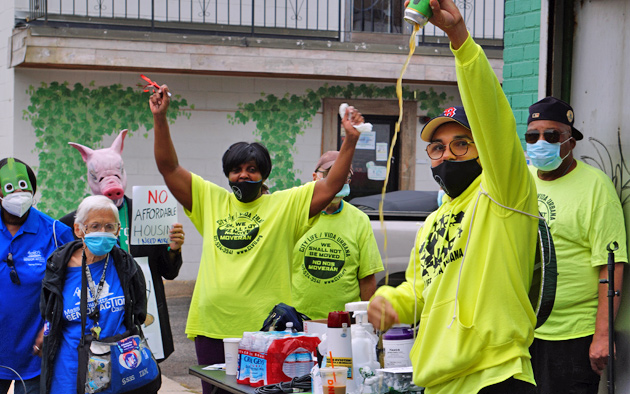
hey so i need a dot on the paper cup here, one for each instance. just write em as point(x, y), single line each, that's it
point(230, 347)
point(333, 380)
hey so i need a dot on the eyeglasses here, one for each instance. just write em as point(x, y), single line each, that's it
point(458, 147)
point(107, 227)
point(325, 174)
point(14, 275)
point(551, 136)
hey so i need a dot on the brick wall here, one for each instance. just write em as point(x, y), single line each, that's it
point(520, 56)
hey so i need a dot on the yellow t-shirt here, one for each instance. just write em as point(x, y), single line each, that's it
point(329, 260)
point(246, 257)
point(584, 215)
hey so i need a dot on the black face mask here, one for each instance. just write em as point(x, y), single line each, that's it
point(455, 176)
point(246, 191)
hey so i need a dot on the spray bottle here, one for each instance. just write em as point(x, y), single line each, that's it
point(364, 361)
point(418, 12)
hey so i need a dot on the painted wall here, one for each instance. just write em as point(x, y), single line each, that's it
point(6, 78)
point(599, 94)
point(201, 133)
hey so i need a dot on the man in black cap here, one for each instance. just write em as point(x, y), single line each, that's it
point(583, 211)
point(471, 266)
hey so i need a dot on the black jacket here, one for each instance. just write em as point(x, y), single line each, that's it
point(51, 301)
point(162, 266)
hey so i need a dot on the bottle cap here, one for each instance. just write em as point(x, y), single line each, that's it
point(336, 319)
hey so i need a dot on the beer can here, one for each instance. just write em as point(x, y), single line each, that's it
point(418, 12)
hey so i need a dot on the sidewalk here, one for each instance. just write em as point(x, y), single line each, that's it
point(169, 386)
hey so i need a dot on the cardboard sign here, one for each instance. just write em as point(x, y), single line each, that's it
point(151, 326)
point(154, 213)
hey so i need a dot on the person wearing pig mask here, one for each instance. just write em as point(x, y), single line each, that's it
point(106, 176)
point(27, 238)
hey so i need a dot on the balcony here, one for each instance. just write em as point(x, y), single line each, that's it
point(371, 21)
point(351, 40)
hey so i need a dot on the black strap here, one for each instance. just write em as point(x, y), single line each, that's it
point(96, 291)
point(83, 307)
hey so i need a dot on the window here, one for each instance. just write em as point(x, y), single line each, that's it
point(372, 150)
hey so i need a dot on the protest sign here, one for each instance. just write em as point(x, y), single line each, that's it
point(154, 213)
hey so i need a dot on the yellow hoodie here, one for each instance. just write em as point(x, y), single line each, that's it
point(472, 274)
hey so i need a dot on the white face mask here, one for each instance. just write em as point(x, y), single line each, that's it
point(17, 203)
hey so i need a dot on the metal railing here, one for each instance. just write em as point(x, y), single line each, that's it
point(317, 19)
point(311, 19)
point(484, 19)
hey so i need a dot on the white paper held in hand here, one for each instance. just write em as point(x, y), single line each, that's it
point(361, 128)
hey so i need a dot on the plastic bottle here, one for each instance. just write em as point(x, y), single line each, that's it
point(290, 363)
point(364, 341)
point(259, 364)
point(304, 362)
point(339, 340)
point(397, 343)
point(244, 358)
point(364, 360)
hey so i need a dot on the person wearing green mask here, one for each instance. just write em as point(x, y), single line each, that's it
point(335, 261)
point(27, 238)
point(584, 214)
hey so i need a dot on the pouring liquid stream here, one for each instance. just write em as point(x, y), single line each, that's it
point(399, 95)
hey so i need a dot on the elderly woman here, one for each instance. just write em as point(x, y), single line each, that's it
point(115, 292)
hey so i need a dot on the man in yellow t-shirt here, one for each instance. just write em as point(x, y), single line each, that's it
point(583, 211)
point(335, 261)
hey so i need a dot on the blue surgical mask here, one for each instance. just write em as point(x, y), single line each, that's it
point(440, 196)
point(544, 155)
point(345, 191)
point(100, 243)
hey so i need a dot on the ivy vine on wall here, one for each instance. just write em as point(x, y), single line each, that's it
point(60, 114)
point(280, 120)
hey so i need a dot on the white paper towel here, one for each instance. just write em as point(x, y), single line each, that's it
point(361, 128)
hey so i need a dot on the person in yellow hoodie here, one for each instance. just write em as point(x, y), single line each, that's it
point(471, 266)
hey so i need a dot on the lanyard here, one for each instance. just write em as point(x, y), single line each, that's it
point(96, 292)
point(124, 227)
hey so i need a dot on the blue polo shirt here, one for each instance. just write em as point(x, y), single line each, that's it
point(20, 319)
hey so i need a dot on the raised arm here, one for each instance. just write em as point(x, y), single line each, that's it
point(325, 189)
point(489, 113)
point(177, 178)
point(446, 16)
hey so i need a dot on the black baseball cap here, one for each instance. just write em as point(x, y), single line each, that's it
point(452, 114)
point(551, 108)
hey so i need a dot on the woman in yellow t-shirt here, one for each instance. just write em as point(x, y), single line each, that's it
point(248, 236)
